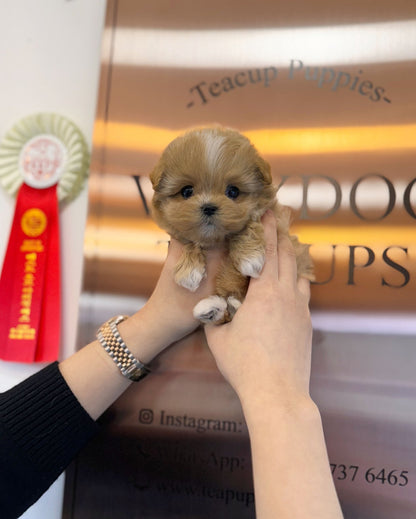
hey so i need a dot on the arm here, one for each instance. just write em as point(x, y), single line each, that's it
point(42, 424)
point(269, 367)
point(166, 317)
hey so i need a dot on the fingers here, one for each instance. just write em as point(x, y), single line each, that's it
point(174, 252)
point(270, 237)
point(288, 270)
point(269, 273)
point(212, 332)
point(304, 286)
point(280, 254)
point(280, 258)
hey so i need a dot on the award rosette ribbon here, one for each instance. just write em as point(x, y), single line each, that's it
point(44, 160)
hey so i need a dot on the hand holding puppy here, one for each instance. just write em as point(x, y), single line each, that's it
point(265, 354)
point(266, 350)
point(170, 302)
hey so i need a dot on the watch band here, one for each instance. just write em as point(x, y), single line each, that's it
point(110, 339)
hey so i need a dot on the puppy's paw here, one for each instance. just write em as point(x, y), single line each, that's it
point(190, 278)
point(251, 266)
point(233, 304)
point(211, 310)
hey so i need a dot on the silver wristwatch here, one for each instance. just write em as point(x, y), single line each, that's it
point(110, 339)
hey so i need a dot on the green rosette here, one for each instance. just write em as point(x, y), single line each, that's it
point(64, 141)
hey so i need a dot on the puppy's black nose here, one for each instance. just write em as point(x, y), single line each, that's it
point(209, 209)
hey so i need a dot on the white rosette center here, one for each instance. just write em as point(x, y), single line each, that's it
point(42, 161)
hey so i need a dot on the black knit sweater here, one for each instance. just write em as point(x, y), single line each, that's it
point(42, 428)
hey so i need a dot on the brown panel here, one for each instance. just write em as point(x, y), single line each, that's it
point(325, 90)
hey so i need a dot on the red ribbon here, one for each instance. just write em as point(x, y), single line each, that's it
point(30, 314)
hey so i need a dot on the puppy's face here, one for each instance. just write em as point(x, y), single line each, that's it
point(208, 185)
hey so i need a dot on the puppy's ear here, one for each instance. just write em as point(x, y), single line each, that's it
point(263, 170)
point(156, 176)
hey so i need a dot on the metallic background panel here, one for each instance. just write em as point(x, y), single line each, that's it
point(325, 90)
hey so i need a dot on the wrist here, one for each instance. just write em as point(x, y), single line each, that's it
point(140, 337)
point(259, 407)
point(147, 333)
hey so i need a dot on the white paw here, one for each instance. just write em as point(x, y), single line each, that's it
point(233, 305)
point(211, 309)
point(252, 266)
point(192, 280)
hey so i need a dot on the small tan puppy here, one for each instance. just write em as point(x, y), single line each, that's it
point(211, 188)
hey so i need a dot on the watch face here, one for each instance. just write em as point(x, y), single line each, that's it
point(135, 372)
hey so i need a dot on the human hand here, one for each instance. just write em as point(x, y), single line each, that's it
point(265, 351)
point(165, 318)
point(167, 315)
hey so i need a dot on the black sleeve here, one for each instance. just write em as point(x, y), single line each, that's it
point(42, 428)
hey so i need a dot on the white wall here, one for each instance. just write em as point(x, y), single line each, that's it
point(50, 62)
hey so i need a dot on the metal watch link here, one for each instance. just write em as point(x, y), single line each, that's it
point(110, 339)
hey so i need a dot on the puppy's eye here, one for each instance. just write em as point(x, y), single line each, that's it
point(187, 192)
point(232, 192)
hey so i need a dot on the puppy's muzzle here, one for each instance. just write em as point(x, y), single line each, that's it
point(209, 209)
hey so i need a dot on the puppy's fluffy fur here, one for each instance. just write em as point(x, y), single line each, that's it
point(211, 188)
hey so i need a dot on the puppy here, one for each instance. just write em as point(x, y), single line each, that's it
point(211, 188)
